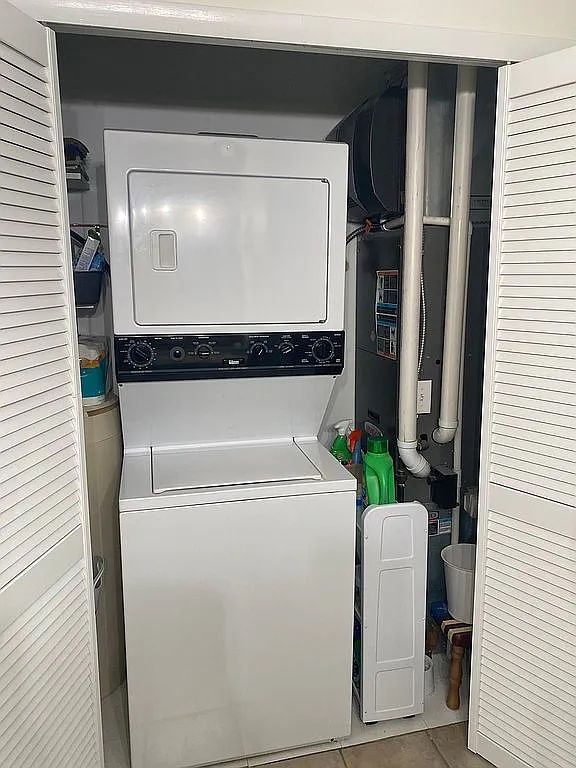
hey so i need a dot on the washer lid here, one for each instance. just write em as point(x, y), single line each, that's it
point(226, 464)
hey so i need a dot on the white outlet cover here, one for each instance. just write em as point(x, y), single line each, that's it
point(424, 400)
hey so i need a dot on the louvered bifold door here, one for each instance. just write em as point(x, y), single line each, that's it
point(49, 699)
point(523, 698)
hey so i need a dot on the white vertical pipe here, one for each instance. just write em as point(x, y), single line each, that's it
point(457, 462)
point(412, 268)
point(457, 253)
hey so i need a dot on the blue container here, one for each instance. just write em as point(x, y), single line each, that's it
point(93, 370)
point(93, 383)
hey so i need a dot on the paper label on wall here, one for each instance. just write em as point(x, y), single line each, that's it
point(386, 312)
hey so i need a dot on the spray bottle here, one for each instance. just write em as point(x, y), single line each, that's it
point(339, 447)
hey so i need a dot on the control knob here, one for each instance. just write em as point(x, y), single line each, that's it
point(286, 348)
point(177, 353)
point(323, 350)
point(204, 350)
point(258, 349)
point(140, 354)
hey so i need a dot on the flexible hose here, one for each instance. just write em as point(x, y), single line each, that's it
point(355, 233)
point(422, 322)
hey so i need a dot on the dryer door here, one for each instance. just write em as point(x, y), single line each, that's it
point(218, 249)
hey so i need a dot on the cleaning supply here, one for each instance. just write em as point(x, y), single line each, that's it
point(93, 369)
point(379, 472)
point(357, 453)
point(339, 447)
point(354, 440)
point(88, 252)
point(355, 468)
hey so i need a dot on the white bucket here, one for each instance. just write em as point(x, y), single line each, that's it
point(459, 565)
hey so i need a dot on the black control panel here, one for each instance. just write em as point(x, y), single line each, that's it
point(164, 358)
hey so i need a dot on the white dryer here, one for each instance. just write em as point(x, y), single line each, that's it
point(237, 526)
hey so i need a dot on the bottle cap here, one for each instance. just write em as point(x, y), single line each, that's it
point(377, 445)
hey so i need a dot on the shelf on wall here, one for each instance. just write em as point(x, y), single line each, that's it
point(86, 310)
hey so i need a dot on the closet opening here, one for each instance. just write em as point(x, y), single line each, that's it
point(126, 84)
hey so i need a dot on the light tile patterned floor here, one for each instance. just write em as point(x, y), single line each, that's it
point(448, 741)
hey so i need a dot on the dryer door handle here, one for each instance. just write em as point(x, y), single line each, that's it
point(163, 248)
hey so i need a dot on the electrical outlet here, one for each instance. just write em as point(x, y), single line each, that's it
point(424, 399)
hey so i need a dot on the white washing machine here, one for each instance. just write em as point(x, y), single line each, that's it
point(237, 526)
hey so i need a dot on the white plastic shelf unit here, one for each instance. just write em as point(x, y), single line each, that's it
point(390, 611)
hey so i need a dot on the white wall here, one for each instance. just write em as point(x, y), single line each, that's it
point(171, 87)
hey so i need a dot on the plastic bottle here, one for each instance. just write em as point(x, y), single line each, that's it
point(339, 447)
point(354, 440)
point(88, 251)
point(379, 472)
point(356, 468)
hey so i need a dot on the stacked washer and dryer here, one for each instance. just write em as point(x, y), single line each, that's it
point(237, 525)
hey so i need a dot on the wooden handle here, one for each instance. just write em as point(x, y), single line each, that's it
point(453, 698)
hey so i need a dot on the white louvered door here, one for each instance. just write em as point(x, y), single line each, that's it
point(49, 696)
point(523, 698)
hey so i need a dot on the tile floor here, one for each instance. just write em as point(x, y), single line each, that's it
point(392, 744)
point(443, 747)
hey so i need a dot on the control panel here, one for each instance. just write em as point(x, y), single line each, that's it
point(162, 358)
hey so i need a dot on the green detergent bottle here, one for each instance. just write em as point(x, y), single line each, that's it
point(379, 472)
